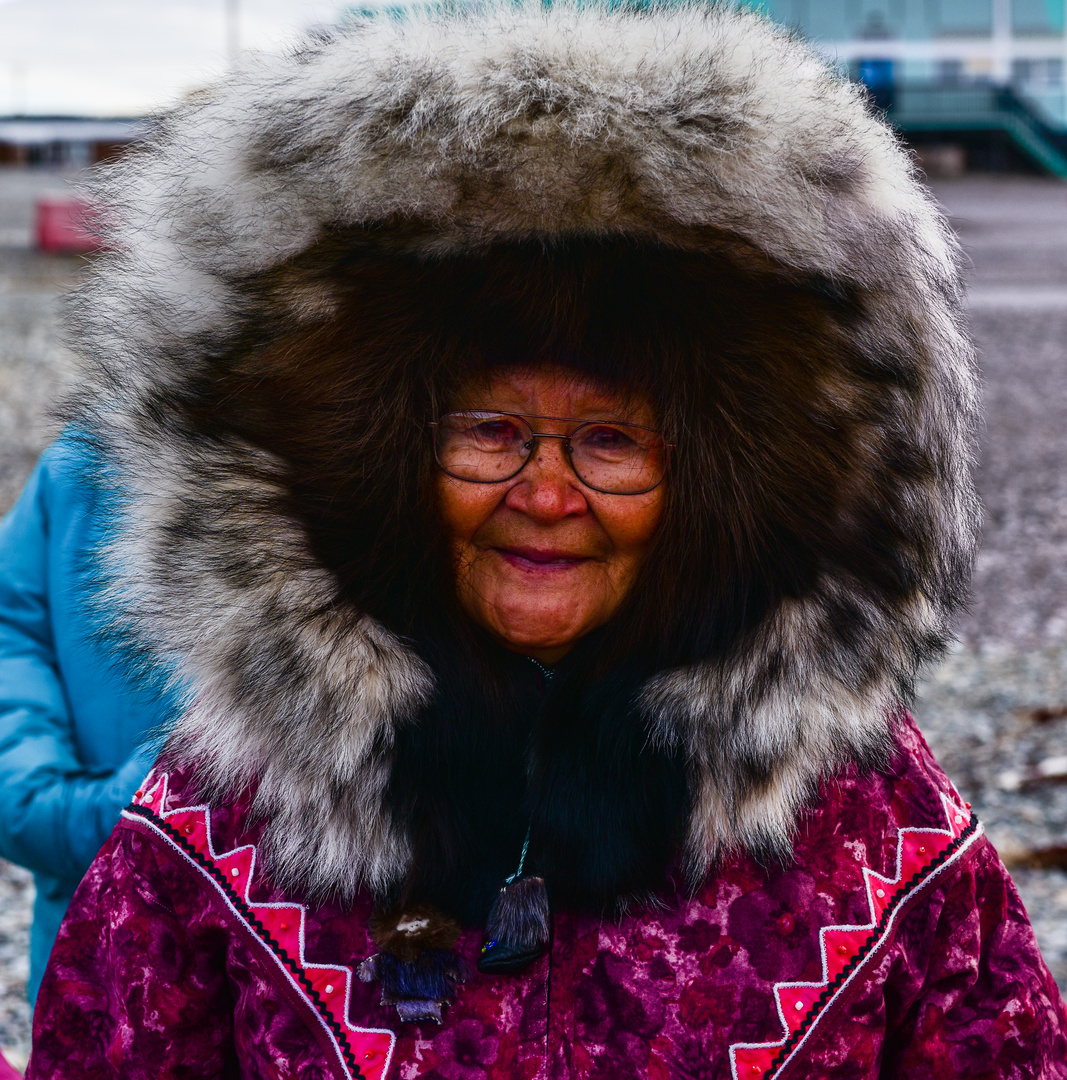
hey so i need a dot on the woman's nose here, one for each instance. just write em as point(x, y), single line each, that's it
point(547, 488)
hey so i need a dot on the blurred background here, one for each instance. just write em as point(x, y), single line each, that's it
point(977, 90)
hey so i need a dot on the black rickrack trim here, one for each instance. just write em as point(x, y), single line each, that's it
point(249, 916)
point(868, 946)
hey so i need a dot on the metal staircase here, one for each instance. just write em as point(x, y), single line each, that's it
point(923, 107)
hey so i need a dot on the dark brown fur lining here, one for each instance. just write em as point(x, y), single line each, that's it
point(822, 519)
point(793, 469)
point(791, 460)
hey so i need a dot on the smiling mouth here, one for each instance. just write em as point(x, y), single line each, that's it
point(532, 559)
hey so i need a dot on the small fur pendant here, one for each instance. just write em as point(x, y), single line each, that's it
point(416, 964)
point(518, 927)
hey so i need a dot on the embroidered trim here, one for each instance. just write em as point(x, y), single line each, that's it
point(278, 926)
point(922, 854)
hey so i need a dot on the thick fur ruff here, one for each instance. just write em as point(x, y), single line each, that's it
point(837, 453)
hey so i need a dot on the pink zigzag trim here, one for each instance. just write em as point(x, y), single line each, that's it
point(373, 1047)
point(839, 945)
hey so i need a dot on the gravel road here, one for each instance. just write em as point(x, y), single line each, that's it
point(993, 711)
point(998, 706)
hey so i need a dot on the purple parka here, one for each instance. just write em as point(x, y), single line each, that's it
point(755, 867)
point(893, 945)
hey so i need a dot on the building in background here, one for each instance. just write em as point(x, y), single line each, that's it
point(971, 83)
point(984, 76)
point(63, 141)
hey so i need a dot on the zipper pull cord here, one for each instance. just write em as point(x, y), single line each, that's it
point(522, 860)
point(547, 672)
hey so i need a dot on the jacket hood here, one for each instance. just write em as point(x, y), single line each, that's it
point(702, 132)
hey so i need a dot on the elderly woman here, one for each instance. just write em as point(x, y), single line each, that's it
point(543, 440)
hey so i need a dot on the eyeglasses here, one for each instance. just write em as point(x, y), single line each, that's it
point(490, 447)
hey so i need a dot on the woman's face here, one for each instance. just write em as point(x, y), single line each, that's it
point(541, 559)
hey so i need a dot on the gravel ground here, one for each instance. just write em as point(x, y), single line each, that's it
point(34, 368)
point(998, 706)
point(993, 711)
point(989, 715)
point(1015, 232)
point(16, 903)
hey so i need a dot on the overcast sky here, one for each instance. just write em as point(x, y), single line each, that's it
point(125, 57)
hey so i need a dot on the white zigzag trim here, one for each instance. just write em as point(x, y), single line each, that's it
point(955, 814)
point(346, 974)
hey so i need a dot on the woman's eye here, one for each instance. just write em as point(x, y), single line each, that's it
point(606, 438)
point(500, 432)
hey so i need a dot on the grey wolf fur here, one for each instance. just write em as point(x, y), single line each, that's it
point(448, 134)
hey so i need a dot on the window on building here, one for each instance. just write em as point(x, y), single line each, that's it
point(961, 18)
point(950, 72)
point(1037, 17)
point(1037, 71)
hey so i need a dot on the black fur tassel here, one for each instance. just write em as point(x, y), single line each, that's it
point(517, 931)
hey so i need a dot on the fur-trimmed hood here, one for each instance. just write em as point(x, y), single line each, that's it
point(685, 133)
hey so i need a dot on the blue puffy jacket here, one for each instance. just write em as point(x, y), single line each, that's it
point(75, 730)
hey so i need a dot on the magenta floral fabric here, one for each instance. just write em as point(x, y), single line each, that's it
point(893, 945)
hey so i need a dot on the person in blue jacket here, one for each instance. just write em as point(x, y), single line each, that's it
point(76, 723)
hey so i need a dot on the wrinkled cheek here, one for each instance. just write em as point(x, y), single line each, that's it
point(487, 592)
point(467, 568)
point(621, 577)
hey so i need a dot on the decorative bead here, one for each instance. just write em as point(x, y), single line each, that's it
point(922, 850)
point(369, 1055)
point(756, 1069)
point(138, 794)
point(235, 871)
point(880, 892)
point(799, 1006)
point(285, 926)
point(959, 820)
point(842, 949)
point(329, 988)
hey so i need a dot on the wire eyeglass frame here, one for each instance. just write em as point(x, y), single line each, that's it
point(530, 446)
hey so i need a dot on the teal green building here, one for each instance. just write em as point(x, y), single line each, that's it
point(1018, 42)
point(984, 76)
point(1032, 22)
point(988, 75)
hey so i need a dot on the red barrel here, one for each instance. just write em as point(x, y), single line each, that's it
point(63, 223)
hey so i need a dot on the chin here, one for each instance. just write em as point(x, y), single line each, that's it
point(521, 634)
point(534, 640)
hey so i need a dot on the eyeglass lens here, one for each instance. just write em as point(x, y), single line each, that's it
point(622, 459)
